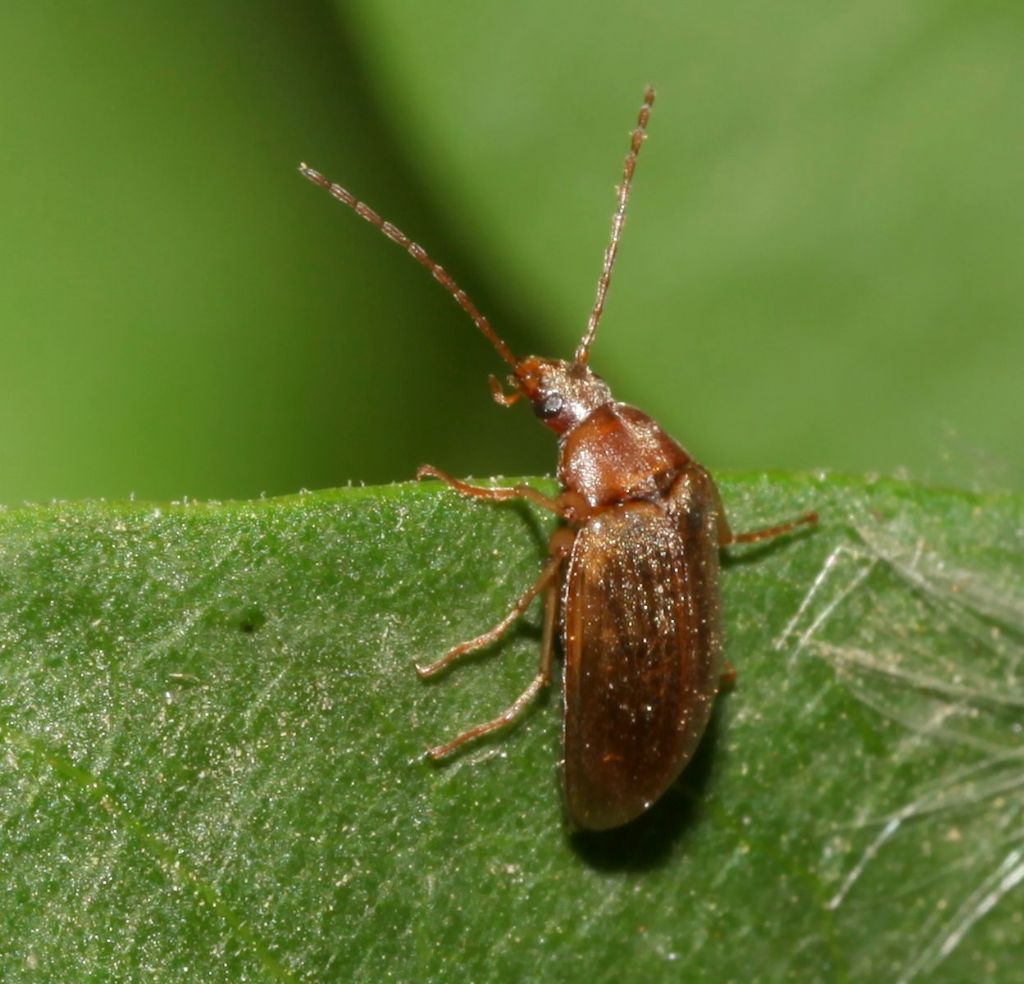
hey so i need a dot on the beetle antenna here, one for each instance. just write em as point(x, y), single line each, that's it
point(619, 219)
point(417, 252)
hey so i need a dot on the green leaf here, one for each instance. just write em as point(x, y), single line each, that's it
point(212, 735)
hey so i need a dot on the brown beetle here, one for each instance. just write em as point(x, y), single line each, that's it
point(640, 598)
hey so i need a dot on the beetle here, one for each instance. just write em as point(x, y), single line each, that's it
point(632, 574)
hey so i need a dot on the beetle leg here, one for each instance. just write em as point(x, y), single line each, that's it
point(728, 678)
point(556, 504)
point(549, 584)
point(727, 537)
point(547, 576)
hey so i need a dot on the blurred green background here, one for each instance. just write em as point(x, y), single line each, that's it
point(822, 265)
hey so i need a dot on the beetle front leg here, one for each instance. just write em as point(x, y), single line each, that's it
point(566, 505)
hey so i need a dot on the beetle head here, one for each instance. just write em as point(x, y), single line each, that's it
point(562, 394)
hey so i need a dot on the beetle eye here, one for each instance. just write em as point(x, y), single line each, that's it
point(550, 406)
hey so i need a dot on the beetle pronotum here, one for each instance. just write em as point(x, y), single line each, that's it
point(639, 606)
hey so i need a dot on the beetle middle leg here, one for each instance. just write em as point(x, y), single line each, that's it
point(548, 583)
point(547, 575)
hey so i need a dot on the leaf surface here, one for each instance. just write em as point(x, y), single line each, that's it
point(212, 733)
